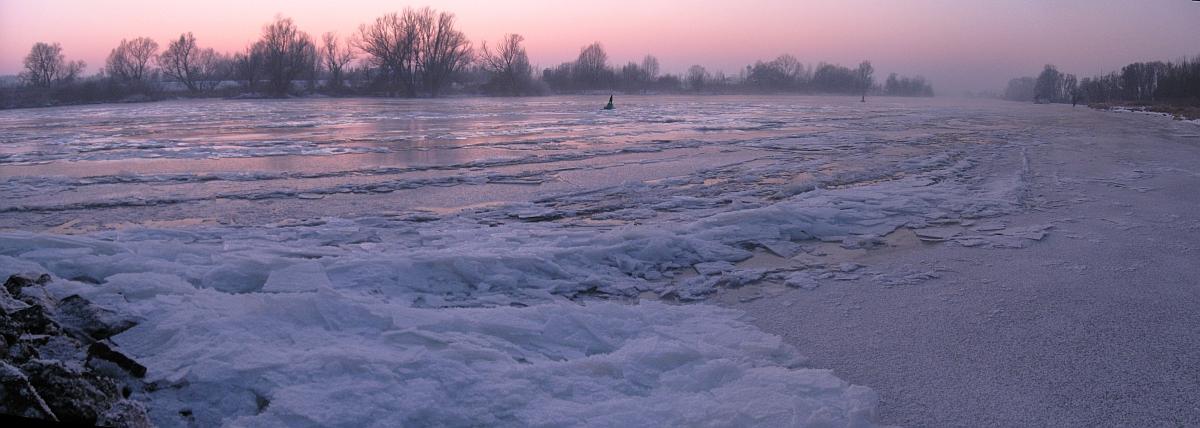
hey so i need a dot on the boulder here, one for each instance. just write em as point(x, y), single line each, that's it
point(127, 414)
point(78, 315)
point(56, 364)
point(102, 351)
point(73, 395)
point(19, 398)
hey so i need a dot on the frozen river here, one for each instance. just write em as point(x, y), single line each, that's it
point(258, 162)
point(521, 262)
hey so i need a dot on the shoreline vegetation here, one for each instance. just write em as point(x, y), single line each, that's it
point(1171, 88)
point(415, 53)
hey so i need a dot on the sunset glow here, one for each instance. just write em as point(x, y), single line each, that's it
point(600, 213)
point(960, 45)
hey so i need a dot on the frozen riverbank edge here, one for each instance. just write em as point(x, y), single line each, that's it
point(469, 319)
point(529, 313)
point(1092, 326)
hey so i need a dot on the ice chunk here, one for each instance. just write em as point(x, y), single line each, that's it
point(801, 280)
point(138, 286)
point(937, 233)
point(785, 249)
point(713, 268)
point(10, 266)
point(237, 275)
point(304, 276)
point(990, 226)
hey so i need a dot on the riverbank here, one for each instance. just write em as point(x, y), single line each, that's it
point(539, 261)
point(1181, 112)
point(1093, 325)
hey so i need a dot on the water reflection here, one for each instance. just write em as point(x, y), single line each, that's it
point(323, 135)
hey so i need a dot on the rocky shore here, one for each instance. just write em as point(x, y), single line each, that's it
point(57, 363)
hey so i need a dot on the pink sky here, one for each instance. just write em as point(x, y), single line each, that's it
point(959, 44)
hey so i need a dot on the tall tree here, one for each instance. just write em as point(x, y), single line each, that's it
point(697, 77)
point(444, 50)
point(507, 64)
point(591, 67)
point(130, 61)
point(336, 55)
point(288, 54)
point(1049, 85)
point(45, 66)
point(650, 67)
point(181, 62)
point(865, 78)
point(390, 43)
point(247, 67)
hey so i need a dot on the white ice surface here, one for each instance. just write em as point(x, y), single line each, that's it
point(386, 322)
point(332, 358)
point(490, 317)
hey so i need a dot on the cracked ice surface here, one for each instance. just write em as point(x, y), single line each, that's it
point(352, 268)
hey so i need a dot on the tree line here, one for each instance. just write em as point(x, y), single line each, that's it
point(1173, 82)
point(411, 53)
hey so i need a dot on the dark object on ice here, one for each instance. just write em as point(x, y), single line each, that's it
point(47, 351)
point(102, 351)
point(73, 395)
point(609, 106)
point(15, 283)
point(125, 413)
point(19, 397)
point(79, 315)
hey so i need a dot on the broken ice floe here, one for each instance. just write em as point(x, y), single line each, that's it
point(992, 234)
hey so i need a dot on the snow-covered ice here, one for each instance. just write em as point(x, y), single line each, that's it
point(377, 262)
point(299, 351)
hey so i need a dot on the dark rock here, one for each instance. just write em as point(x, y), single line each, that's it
point(78, 315)
point(73, 395)
point(27, 290)
point(47, 372)
point(15, 283)
point(31, 320)
point(24, 348)
point(86, 279)
point(125, 414)
point(103, 351)
point(18, 397)
point(8, 304)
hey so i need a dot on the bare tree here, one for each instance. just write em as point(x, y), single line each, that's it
point(650, 67)
point(1070, 88)
point(180, 61)
point(591, 68)
point(508, 64)
point(130, 62)
point(632, 77)
point(197, 69)
point(443, 51)
point(865, 78)
point(697, 76)
point(45, 65)
point(336, 55)
point(639, 77)
point(73, 70)
point(247, 67)
point(791, 68)
point(1049, 85)
point(213, 68)
point(288, 54)
point(391, 45)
